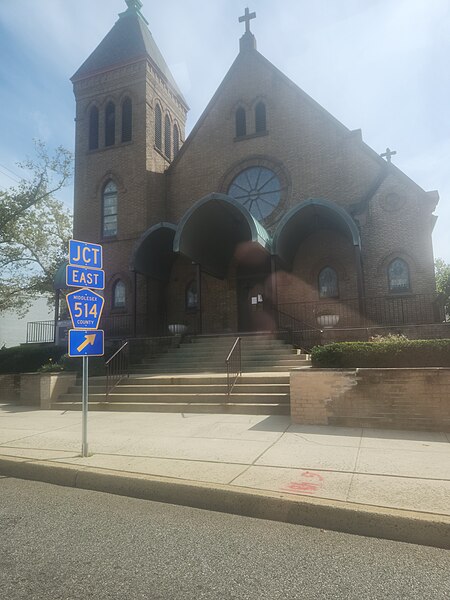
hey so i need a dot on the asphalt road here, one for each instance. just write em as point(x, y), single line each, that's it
point(62, 543)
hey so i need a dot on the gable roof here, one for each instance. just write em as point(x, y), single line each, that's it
point(385, 167)
point(128, 41)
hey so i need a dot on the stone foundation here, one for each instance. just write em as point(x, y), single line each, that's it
point(382, 398)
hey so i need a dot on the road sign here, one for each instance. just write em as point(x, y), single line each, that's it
point(86, 343)
point(84, 254)
point(85, 277)
point(85, 308)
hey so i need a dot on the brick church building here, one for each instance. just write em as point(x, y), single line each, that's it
point(271, 214)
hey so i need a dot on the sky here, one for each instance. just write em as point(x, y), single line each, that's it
point(376, 65)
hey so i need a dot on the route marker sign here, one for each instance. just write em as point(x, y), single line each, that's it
point(86, 343)
point(85, 277)
point(84, 254)
point(85, 307)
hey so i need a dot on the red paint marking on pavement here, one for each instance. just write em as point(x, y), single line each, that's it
point(305, 487)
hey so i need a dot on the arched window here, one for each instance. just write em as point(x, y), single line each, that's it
point(398, 276)
point(260, 117)
point(93, 128)
point(167, 137)
point(110, 124)
point(328, 283)
point(119, 295)
point(126, 120)
point(176, 140)
point(241, 127)
point(191, 295)
point(158, 127)
point(110, 209)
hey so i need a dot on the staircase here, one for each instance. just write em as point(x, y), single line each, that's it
point(192, 379)
point(206, 354)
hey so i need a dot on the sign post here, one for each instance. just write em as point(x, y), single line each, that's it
point(85, 306)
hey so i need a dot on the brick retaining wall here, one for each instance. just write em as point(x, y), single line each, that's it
point(381, 398)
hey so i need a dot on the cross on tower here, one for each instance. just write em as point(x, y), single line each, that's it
point(134, 4)
point(247, 17)
point(388, 154)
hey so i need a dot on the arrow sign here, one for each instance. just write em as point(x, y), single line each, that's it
point(86, 343)
point(89, 339)
point(84, 277)
point(85, 307)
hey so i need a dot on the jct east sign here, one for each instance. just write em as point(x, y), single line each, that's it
point(85, 305)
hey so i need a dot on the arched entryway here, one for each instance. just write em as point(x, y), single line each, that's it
point(318, 250)
point(152, 263)
point(232, 252)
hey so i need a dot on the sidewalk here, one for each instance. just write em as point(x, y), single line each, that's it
point(268, 454)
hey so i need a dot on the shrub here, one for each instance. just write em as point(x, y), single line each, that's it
point(392, 353)
point(28, 359)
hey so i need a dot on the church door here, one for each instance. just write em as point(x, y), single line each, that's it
point(252, 305)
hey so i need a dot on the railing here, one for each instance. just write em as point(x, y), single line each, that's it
point(40, 332)
point(117, 367)
point(417, 309)
point(299, 333)
point(234, 365)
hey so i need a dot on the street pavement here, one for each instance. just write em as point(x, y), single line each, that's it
point(60, 543)
point(393, 469)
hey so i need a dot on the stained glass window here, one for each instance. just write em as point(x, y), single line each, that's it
point(119, 294)
point(398, 276)
point(191, 295)
point(258, 189)
point(328, 283)
point(110, 210)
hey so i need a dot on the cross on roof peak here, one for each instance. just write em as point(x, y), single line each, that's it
point(247, 17)
point(388, 154)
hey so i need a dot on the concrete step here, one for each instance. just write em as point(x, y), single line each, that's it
point(281, 408)
point(220, 353)
point(249, 388)
point(119, 396)
point(207, 370)
point(219, 361)
point(194, 379)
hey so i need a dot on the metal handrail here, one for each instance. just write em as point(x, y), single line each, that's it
point(234, 359)
point(117, 367)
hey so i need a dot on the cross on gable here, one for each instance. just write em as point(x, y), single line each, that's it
point(388, 154)
point(247, 17)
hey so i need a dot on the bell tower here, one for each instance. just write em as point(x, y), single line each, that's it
point(130, 123)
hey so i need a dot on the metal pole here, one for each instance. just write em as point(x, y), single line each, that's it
point(85, 400)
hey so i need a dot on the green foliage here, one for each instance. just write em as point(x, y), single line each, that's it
point(34, 230)
point(28, 359)
point(442, 270)
point(396, 353)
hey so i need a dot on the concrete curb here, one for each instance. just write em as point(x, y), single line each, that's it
point(393, 524)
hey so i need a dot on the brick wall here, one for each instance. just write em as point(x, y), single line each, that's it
point(380, 398)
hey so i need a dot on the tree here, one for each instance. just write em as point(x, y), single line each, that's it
point(442, 270)
point(34, 229)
